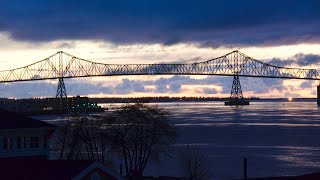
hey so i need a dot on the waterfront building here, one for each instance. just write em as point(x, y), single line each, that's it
point(23, 136)
point(24, 153)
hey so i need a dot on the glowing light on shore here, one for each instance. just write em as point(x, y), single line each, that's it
point(289, 98)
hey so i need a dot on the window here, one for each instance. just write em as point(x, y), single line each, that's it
point(45, 141)
point(24, 142)
point(10, 143)
point(5, 143)
point(34, 142)
point(19, 142)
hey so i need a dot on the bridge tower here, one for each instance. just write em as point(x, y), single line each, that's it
point(236, 97)
point(61, 89)
point(61, 95)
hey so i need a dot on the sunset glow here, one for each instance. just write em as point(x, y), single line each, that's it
point(106, 52)
point(125, 44)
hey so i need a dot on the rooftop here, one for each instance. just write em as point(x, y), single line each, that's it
point(12, 120)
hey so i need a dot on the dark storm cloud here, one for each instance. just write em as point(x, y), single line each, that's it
point(211, 23)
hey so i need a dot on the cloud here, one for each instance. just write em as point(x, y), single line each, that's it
point(306, 59)
point(287, 94)
point(212, 23)
point(48, 88)
point(298, 59)
point(255, 85)
point(27, 89)
point(261, 85)
point(80, 87)
point(210, 85)
point(65, 45)
point(185, 61)
point(210, 91)
point(128, 86)
point(175, 87)
point(306, 84)
point(280, 62)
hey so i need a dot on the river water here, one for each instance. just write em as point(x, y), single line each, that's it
point(278, 138)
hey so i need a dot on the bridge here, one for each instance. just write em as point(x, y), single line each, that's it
point(63, 65)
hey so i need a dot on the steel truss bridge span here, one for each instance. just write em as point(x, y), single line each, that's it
point(64, 65)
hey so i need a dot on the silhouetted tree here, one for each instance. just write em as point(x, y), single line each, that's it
point(139, 133)
point(82, 138)
point(194, 163)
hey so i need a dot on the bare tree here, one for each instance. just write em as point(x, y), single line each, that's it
point(82, 138)
point(139, 133)
point(194, 163)
point(136, 132)
point(59, 139)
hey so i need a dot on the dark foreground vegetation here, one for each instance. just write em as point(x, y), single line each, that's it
point(134, 133)
point(127, 139)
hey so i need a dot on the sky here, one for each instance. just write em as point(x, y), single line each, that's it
point(284, 33)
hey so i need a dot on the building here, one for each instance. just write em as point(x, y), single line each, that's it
point(23, 136)
point(37, 106)
point(24, 153)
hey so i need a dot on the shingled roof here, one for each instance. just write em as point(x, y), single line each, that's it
point(12, 120)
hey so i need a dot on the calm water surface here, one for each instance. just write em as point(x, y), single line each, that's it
point(278, 138)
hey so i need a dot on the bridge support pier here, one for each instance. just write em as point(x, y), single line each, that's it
point(318, 95)
point(61, 90)
point(61, 95)
point(236, 97)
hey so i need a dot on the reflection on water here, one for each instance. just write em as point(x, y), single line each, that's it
point(277, 138)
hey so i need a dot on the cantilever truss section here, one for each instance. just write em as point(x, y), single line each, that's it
point(64, 65)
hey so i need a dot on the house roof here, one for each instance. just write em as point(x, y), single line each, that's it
point(28, 168)
point(13, 120)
